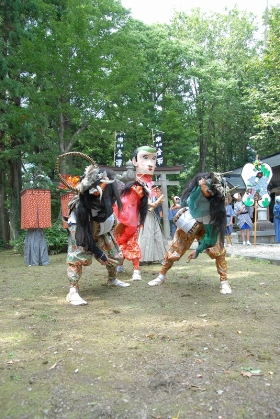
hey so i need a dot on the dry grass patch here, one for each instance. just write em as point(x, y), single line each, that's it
point(140, 352)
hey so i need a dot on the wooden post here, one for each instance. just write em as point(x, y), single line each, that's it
point(166, 224)
point(115, 147)
point(255, 221)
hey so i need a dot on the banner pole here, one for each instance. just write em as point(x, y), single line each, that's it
point(115, 148)
point(255, 222)
point(255, 215)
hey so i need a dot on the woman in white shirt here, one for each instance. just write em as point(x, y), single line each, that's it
point(244, 220)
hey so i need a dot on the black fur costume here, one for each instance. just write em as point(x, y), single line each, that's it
point(92, 207)
point(217, 189)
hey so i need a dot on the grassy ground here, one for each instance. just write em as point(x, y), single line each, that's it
point(179, 350)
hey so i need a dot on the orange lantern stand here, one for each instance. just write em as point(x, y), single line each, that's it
point(36, 208)
point(35, 215)
point(64, 201)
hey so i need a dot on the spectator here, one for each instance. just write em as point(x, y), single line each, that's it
point(230, 215)
point(244, 220)
point(276, 220)
point(172, 212)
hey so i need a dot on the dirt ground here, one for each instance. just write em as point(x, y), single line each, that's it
point(179, 350)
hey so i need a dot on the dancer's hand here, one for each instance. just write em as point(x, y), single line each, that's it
point(102, 262)
point(112, 261)
point(191, 256)
point(109, 261)
point(175, 206)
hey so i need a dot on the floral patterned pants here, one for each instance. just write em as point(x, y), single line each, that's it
point(182, 242)
point(131, 251)
point(78, 257)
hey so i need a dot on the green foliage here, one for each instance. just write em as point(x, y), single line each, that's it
point(266, 93)
point(218, 48)
point(2, 244)
point(72, 73)
point(56, 237)
point(18, 244)
point(35, 178)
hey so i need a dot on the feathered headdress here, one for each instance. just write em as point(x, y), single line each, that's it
point(92, 180)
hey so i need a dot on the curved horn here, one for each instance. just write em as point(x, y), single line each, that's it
point(71, 153)
point(107, 181)
point(232, 189)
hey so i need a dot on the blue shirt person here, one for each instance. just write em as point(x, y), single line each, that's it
point(172, 212)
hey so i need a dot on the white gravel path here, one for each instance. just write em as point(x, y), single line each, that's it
point(262, 251)
point(270, 252)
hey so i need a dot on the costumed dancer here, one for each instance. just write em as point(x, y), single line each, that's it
point(151, 239)
point(91, 224)
point(244, 221)
point(135, 207)
point(203, 218)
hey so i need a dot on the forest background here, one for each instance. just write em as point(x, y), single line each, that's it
point(73, 73)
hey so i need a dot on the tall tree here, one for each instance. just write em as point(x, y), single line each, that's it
point(265, 94)
point(151, 100)
point(54, 66)
point(74, 47)
point(14, 16)
point(222, 47)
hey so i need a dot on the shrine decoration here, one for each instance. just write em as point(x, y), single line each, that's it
point(119, 149)
point(256, 177)
point(158, 144)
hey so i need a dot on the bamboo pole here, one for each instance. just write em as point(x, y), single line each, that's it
point(255, 221)
point(115, 148)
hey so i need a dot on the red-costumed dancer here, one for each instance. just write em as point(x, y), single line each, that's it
point(135, 207)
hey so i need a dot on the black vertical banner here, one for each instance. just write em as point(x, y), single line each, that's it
point(119, 150)
point(158, 144)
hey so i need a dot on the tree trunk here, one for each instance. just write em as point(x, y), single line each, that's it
point(4, 225)
point(16, 186)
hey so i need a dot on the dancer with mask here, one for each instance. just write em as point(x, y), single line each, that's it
point(151, 239)
point(91, 225)
point(135, 202)
point(203, 218)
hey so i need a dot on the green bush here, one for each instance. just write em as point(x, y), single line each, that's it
point(56, 237)
point(2, 246)
point(18, 244)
